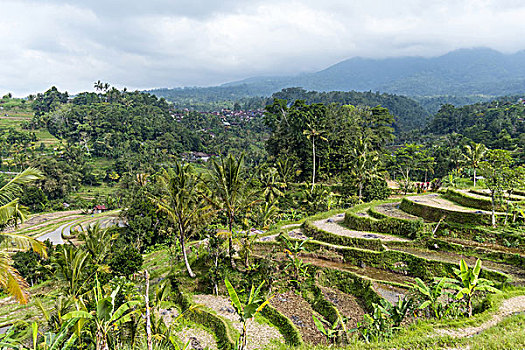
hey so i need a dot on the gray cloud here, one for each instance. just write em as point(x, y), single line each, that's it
point(162, 43)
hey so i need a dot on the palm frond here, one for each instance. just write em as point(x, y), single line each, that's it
point(16, 241)
point(14, 187)
point(11, 281)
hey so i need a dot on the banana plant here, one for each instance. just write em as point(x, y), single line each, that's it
point(329, 331)
point(398, 311)
point(431, 293)
point(467, 283)
point(106, 316)
point(62, 340)
point(252, 307)
point(337, 332)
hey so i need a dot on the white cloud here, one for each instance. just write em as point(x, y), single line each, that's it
point(142, 44)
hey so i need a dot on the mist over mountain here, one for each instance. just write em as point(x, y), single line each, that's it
point(479, 71)
point(466, 72)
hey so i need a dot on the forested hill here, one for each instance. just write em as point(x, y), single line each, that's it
point(497, 124)
point(409, 113)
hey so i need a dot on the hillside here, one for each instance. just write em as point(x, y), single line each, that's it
point(459, 77)
point(462, 72)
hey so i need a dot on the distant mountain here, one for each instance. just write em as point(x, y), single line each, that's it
point(459, 77)
point(462, 72)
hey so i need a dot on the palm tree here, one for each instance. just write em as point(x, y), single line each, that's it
point(11, 213)
point(474, 155)
point(312, 134)
point(285, 170)
point(182, 202)
point(229, 189)
point(364, 164)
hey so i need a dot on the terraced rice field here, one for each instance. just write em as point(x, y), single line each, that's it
point(259, 334)
point(333, 225)
point(435, 200)
point(392, 210)
point(54, 225)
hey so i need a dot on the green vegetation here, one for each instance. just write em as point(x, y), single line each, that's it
point(161, 222)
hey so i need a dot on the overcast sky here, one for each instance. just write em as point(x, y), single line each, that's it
point(169, 43)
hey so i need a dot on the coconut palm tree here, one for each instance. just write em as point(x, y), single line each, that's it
point(474, 155)
point(12, 213)
point(182, 202)
point(364, 164)
point(313, 134)
point(229, 190)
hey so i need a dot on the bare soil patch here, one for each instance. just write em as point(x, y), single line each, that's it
point(44, 218)
point(333, 225)
point(300, 313)
point(347, 305)
point(199, 339)
point(392, 210)
point(435, 200)
point(259, 335)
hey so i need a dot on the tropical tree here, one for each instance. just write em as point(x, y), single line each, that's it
point(467, 283)
point(229, 191)
point(408, 159)
point(286, 170)
point(11, 213)
point(493, 169)
point(183, 203)
point(97, 241)
point(72, 266)
point(312, 133)
point(364, 164)
point(474, 155)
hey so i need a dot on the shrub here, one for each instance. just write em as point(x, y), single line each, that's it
point(373, 189)
point(126, 261)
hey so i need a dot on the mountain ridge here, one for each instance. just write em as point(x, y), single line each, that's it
point(460, 72)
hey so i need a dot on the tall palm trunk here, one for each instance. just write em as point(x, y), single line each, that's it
point(230, 240)
point(474, 177)
point(148, 318)
point(184, 255)
point(493, 200)
point(313, 153)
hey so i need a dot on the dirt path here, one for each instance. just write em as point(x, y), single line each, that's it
point(507, 308)
point(333, 225)
point(259, 335)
